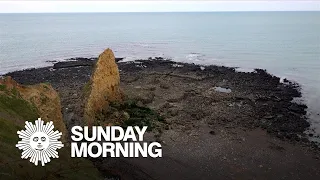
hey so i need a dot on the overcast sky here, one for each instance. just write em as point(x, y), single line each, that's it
point(156, 6)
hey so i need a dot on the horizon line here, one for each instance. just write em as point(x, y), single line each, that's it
point(159, 12)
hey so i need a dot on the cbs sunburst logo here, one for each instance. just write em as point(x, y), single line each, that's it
point(39, 142)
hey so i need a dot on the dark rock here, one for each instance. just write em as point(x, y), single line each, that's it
point(53, 61)
point(167, 105)
point(164, 85)
point(159, 58)
point(77, 63)
point(146, 99)
point(173, 112)
point(118, 59)
point(268, 117)
point(303, 139)
point(298, 108)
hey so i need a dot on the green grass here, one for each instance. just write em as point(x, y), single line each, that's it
point(14, 91)
point(138, 115)
point(87, 89)
point(17, 106)
point(3, 87)
point(46, 85)
point(8, 131)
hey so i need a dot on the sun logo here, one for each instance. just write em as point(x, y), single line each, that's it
point(39, 142)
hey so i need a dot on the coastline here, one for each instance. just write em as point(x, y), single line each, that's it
point(72, 67)
point(213, 110)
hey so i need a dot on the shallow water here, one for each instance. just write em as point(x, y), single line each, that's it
point(287, 44)
point(223, 90)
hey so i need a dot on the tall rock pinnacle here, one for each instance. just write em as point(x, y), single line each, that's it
point(104, 86)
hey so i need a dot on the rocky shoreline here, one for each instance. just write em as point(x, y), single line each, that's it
point(273, 109)
point(234, 110)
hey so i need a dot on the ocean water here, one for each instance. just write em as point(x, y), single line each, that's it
point(287, 44)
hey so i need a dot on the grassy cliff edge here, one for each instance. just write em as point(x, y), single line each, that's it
point(14, 111)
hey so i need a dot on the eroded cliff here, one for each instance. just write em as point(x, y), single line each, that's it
point(42, 99)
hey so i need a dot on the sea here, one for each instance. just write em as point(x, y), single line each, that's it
point(286, 44)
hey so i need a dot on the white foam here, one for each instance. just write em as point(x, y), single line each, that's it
point(242, 69)
point(195, 57)
point(177, 65)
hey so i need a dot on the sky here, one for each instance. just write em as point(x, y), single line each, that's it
point(156, 6)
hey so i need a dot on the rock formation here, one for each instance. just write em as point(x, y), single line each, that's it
point(42, 97)
point(20, 103)
point(104, 86)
